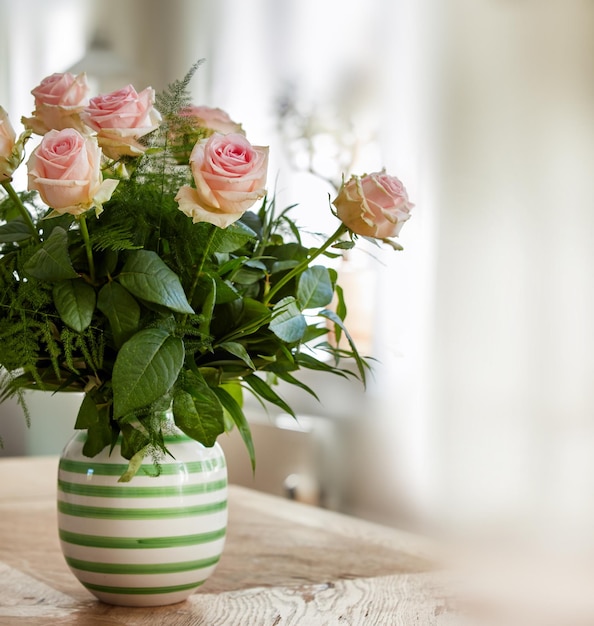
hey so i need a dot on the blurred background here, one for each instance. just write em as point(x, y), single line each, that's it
point(480, 414)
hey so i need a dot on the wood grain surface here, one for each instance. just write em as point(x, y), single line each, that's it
point(284, 563)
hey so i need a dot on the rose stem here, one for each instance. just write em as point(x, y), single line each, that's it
point(340, 231)
point(82, 220)
point(21, 207)
point(213, 231)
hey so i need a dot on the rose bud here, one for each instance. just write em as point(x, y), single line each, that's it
point(375, 205)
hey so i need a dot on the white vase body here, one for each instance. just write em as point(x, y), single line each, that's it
point(148, 542)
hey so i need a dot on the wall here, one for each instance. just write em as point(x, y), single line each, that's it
point(513, 400)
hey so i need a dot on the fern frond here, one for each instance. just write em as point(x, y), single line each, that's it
point(176, 96)
point(116, 239)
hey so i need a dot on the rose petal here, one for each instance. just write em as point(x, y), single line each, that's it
point(188, 201)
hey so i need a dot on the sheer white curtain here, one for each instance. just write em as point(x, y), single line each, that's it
point(482, 412)
point(38, 38)
point(360, 69)
point(513, 397)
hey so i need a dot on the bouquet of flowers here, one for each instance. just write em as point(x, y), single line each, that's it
point(147, 267)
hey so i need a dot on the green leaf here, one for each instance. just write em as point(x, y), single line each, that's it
point(197, 410)
point(121, 309)
point(15, 230)
point(287, 252)
point(147, 277)
point(309, 362)
point(234, 389)
point(315, 288)
point(145, 369)
point(248, 276)
point(235, 411)
point(254, 315)
point(341, 311)
point(99, 436)
point(236, 349)
point(208, 307)
point(344, 245)
point(234, 237)
point(75, 302)
point(263, 390)
point(283, 266)
point(99, 433)
point(361, 365)
point(133, 466)
point(87, 414)
point(289, 378)
point(52, 262)
point(225, 291)
point(288, 322)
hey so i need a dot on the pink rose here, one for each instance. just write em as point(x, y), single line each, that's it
point(7, 144)
point(195, 123)
point(120, 118)
point(375, 205)
point(66, 171)
point(59, 101)
point(230, 175)
point(213, 119)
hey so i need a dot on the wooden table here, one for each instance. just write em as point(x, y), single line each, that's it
point(284, 563)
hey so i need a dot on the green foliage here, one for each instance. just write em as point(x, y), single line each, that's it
point(143, 310)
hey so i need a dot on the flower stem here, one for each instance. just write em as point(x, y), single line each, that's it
point(340, 231)
point(211, 236)
point(21, 207)
point(82, 220)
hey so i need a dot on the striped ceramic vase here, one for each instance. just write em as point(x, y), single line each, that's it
point(148, 542)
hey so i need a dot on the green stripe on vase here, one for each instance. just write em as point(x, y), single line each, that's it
point(102, 491)
point(148, 469)
point(168, 438)
point(141, 590)
point(79, 510)
point(141, 568)
point(131, 543)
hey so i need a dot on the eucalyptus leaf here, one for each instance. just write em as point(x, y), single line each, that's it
point(288, 322)
point(52, 262)
point(315, 288)
point(75, 301)
point(145, 369)
point(121, 310)
point(147, 277)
